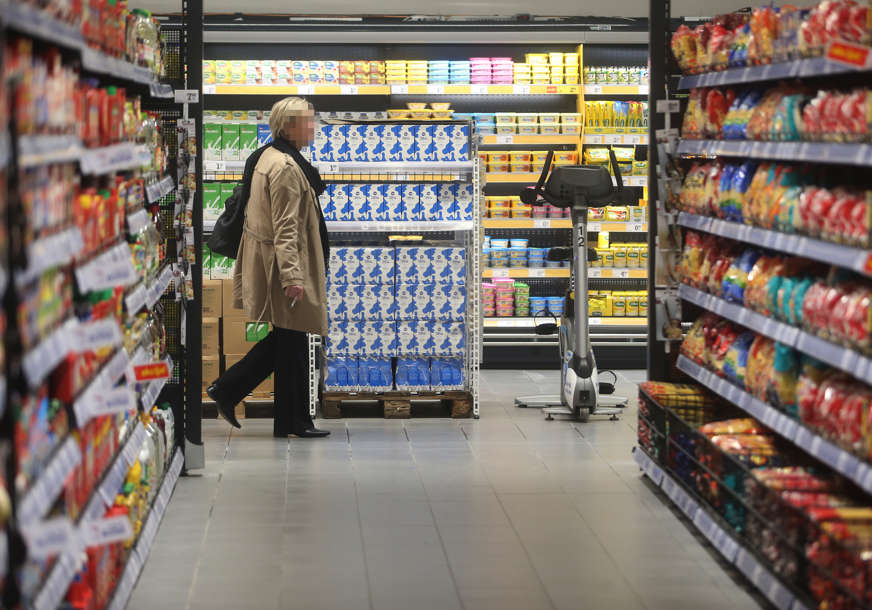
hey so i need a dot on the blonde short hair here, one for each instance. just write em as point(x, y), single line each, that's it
point(284, 111)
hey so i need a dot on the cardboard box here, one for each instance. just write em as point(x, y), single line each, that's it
point(212, 301)
point(227, 309)
point(241, 334)
point(264, 388)
point(211, 370)
point(211, 343)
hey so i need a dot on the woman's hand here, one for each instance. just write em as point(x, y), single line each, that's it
point(294, 292)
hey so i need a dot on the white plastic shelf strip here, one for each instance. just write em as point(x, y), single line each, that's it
point(817, 152)
point(721, 539)
point(161, 188)
point(818, 66)
point(112, 268)
point(95, 61)
point(343, 226)
point(41, 360)
point(50, 251)
point(39, 498)
point(99, 398)
point(115, 158)
point(351, 167)
point(137, 221)
point(158, 286)
point(855, 259)
point(58, 581)
point(140, 551)
point(835, 355)
point(805, 438)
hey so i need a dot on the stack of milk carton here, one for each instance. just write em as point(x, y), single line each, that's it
point(391, 142)
point(396, 309)
point(397, 202)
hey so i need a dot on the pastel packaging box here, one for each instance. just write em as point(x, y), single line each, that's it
point(230, 142)
point(375, 374)
point(340, 201)
point(264, 135)
point(375, 195)
point(336, 308)
point(212, 203)
point(449, 302)
point(342, 374)
point(424, 135)
point(343, 265)
point(446, 374)
point(446, 195)
point(413, 374)
point(404, 301)
point(413, 338)
point(377, 302)
point(327, 207)
point(375, 266)
point(407, 137)
point(448, 338)
point(393, 196)
point(430, 204)
point(377, 339)
point(358, 203)
point(449, 265)
point(463, 201)
point(355, 141)
point(247, 139)
point(374, 149)
point(212, 141)
point(411, 197)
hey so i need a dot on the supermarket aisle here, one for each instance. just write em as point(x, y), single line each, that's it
point(506, 512)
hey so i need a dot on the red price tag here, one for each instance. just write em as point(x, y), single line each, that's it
point(868, 266)
point(153, 370)
point(851, 54)
point(551, 89)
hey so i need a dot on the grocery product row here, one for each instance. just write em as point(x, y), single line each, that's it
point(618, 117)
point(525, 123)
point(615, 75)
point(514, 253)
point(512, 207)
point(354, 374)
point(401, 301)
point(505, 297)
point(524, 161)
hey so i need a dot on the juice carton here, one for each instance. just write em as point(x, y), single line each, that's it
point(359, 207)
point(342, 374)
point(393, 194)
point(340, 201)
point(375, 374)
point(376, 266)
point(230, 142)
point(446, 373)
point(377, 302)
point(355, 142)
point(373, 146)
point(430, 204)
point(411, 195)
point(424, 139)
point(413, 374)
point(375, 194)
point(405, 301)
point(247, 139)
point(212, 203)
point(212, 141)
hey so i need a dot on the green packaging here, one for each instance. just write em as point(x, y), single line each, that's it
point(230, 142)
point(212, 141)
point(226, 191)
point(247, 139)
point(213, 204)
point(255, 331)
point(207, 260)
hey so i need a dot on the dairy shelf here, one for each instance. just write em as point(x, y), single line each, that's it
point(533, 177)
point(562, 223)
point(816, 152)
point(431, 89)
point(844, 462)
point(818, 66)
point(526, 272)
point(848, 257)
point(510, 138)
point(626, 139)
point(616, 89)
point(528, 322)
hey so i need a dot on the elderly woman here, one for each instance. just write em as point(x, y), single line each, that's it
point(280, 274)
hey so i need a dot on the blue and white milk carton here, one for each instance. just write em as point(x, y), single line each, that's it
point(391, 143)
point(375, 194)
point(338, 146)
point(321, 150)
point(424, 302)
point(374, 149)
point(352, 301)
point(393, 194)
point(342, 265)
point(404, 299)
point(449, 302)
point(449, 338)
point(430, 205)
point(342, 374)
point(376, 265)
point(424, 140)
point(460, 142)
point(337, 339)
point(377, 339)
point(355, 141)
point(327, 207)
point(408, 143)
point(359, 202)
point(442, 145)
point(462, 209)
point(446, 373)
point(353, 337)
point(336, 309)
point(339, 200)
point(449, 265)
point(408, 270)
point(412, 337)
point(413, 374)
point(447, 194)
point(377, 302)
point(411, 194)
point(375, 374)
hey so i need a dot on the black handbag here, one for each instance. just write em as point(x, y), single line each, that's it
point(227, 233)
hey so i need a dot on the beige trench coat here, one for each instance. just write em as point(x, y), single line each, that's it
point(280, 247)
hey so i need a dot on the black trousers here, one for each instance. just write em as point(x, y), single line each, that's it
point(284, 353)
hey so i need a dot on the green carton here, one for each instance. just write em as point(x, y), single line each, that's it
point(230, 142)
point(212, 141)
point(213, 204)
point(207, 261)
point(247, 139)
point(226, 191)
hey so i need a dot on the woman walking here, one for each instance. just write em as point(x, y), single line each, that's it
point(280, 273)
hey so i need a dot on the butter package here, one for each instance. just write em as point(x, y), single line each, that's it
point(344, 265)
point(373, 147)
point(404, 298)
point(413, 338)
point(212, 141)
point(375, 266)
point(327, 207)
point(212, 204)
point(447, 338)
point(377, 302)
point(463, 202)
point(413, 374)
point(375, 195)
point(393, 194)
point(411, 196)
point(358, 202)
point(375, 374)
point(336, 307)
point(424, 141)
point(449, 302)
point(377, 339)
point(430, 203)
point(448, 264)
point(355, 142)
point(247, 140)
point(446, 374)
point(230, 142)
point(264, 135)
point(342, 374)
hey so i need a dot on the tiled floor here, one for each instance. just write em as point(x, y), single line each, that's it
point(507, 512)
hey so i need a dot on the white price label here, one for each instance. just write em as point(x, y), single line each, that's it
point(209, 89)
point(643, 89)
point(594, 273)
point(478, 89)
point(622, 273)
point(348, 89)
point(541, 223)
point(106, 531)
point(500, 273)
point(594, 227)
point(613, 138)
point(536, 272)
point(505, 139)
point(667, 106)
point(435, 89)
point(635, 227)
point(594, 89)
point(306, 90)
point(521, 89)
point(116, 400)
point(634, 139)
point(399, 89)
point(220, 166)
point(188, 96)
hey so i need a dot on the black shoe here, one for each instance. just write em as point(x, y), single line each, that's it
point(312, 433)
point(223, 410)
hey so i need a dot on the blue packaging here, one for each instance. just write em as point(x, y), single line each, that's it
point(375, 266)
point(459, 136)
point(449, 265)
point(338, 341)
point(486, 128)
point(377, 339)
point(391, 143)
point(375, 375)
point(377, 302)
point(431, 204)
point(355, 135)
point(327, 207)
point(413, 374)
point(447, 199)
point(407, 136)
point(374, 149)
point(449, 302)
point(423, 300)
point(405, 301)
point(336, 309)
point(407, 265)
point(264, 135)
point(411, 194)
point(442, 143)
point(463, 201)
point(555, 305)
point(339, 201)
point(375, 195)
point(537, 305)
point(413, 338)
point(446, 374)
point(338, 146)
point(358, 202)
point(342, 374)
point(424, 141)
point(343, 265)
point(351, 297)
point(321, 150)
point(447, 338)
point(393, 194)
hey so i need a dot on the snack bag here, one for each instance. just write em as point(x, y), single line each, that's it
point(736, 121)
point(758, 279)
point(744, 425)
point(717, 103)
point(683, 45)
point(736, 277)
point(692, 126)
point(758, 369)
point(691, 257)
point(782, 389)
point(736, 359)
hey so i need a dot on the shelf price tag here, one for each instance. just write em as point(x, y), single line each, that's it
point(594, 227)
point(499, 273)
point(305, 89)
point(348, 90)
point(613, 138)
point(521, 89)
point(636, 227)
point(644, 89)
point(435, 89)
point(541, 223)
point(593, 89)
point(399, 89)
point(209, 89)
point(537, 272)
point(505, 139)
point(594, 273)
point(622, 273)
point(595, 321)
point(478, 89)
point(188, 96)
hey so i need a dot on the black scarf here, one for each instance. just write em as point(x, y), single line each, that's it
point(314, 178)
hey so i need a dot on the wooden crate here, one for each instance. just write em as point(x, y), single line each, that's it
point(395, 405)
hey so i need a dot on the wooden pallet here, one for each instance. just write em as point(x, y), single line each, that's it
point(396, 405)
